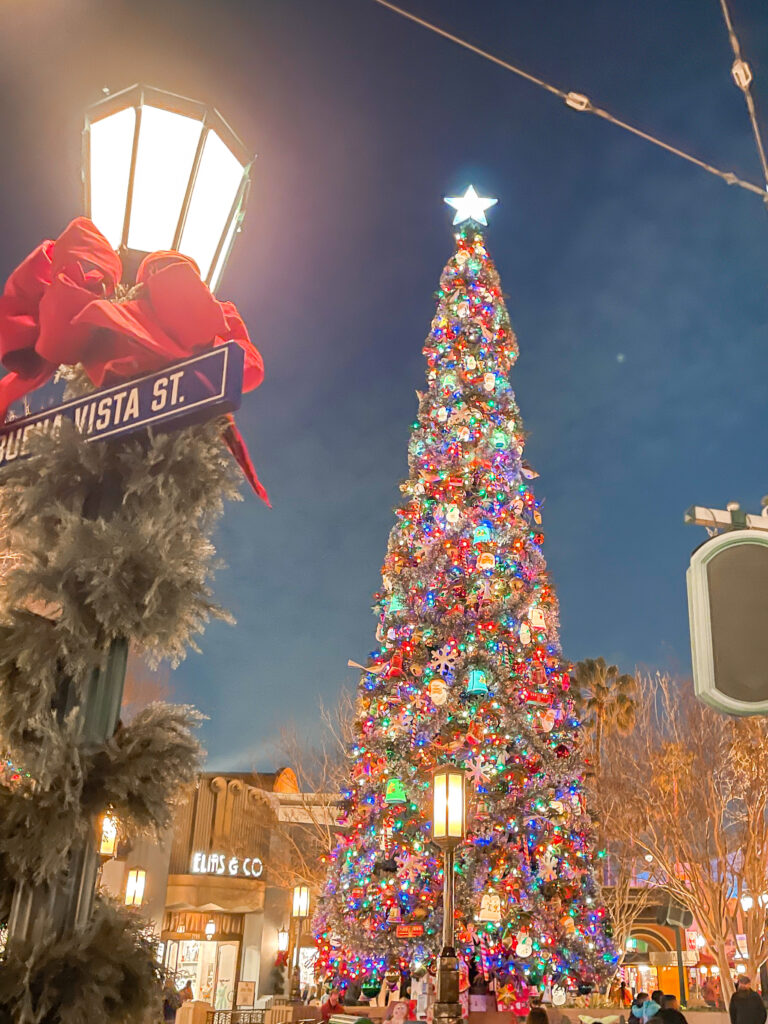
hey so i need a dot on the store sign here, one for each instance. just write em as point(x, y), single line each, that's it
point(187, 392)
point(409, 931)
point(221, 864)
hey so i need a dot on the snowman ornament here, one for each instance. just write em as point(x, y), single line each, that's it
point(524, 946)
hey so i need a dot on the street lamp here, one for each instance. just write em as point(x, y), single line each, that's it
point(448, 830)
point(134, 887)
point(299, 912)
point(210, 929)
point(747, 901)
point(164, 172)
point(282, 940)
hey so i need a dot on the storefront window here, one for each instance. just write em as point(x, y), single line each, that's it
point(210, 966)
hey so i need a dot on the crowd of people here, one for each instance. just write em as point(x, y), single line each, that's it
point(746, 1006)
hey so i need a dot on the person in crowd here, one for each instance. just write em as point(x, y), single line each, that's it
point(353, 995)
point(186, 993)
point(330, 1006)
point(670, 1011)
point(651, 1007)
point(537, 1015)
point(625, 994)
point(746, 1006)
point(171, 1001)
point(636, 1008)
point(397, 1012)
point(708, 993)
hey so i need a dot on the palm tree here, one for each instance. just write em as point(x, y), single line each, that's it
point(605, 701)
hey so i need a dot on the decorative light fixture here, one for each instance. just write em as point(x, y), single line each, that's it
point(448, 815)
point(282, 940)
point(164, 172)
point(700, 941)
point(108, 842)
point(300, 907)
point(741, 969)
point(649, 858)
point(747, 901)
point(134, 887)
point(763, 899)
point(210, 929)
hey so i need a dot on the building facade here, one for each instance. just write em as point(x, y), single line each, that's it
point(214, 892)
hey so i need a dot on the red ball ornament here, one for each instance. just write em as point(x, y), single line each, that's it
point(561, 750)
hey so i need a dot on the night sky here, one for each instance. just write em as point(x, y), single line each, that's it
point(637, 285)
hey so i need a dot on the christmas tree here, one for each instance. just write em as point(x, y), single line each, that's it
point(468, 671)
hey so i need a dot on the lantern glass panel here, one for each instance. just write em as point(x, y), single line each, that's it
point(164, 159)
point(215, 190)
point(455, 815)
point(301, 901)
point(440, 802)
point(216, 275)
point(108, 837)
point(111, 144)
point(134, 889)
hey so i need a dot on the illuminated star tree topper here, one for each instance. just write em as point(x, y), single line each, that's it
point(470, 206)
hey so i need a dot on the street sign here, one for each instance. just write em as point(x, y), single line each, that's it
point(190, 391)
point(727, 587)
point(409, 931)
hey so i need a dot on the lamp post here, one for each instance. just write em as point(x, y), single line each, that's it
point(160, 172)
point(448, 830)
point(299, 913)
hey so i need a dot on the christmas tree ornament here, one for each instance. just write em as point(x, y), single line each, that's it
point(537, 619)
point(395, 792)
point(489, 381)
point(525, 634)
point(486, 561)
point(438, 691)
point(558, 995)
point(481, 534)
point(490, 908)
point(476, 681)
point(523, 945)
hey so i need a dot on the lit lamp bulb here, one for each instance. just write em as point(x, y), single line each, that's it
point(282, 940)
point(649, 858)
point(747, 901)
point(210, 929)
point(700, 941)
point(763, 899)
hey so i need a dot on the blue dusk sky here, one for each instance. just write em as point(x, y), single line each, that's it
point(636, 283)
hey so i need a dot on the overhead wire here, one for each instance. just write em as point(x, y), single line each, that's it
point(742, 76)
point(580, 102)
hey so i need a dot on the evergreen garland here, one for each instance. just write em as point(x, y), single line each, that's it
point(114, 542)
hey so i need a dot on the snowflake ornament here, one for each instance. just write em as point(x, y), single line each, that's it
point(476, 771)
point(444, 660)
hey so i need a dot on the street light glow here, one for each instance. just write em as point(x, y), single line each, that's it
point(162, 172)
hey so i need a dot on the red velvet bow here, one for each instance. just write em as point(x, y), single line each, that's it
point(56, 309)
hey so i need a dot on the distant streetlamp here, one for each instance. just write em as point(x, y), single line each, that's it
point(299, 912)
point(747, 901)
point(164, 172)
point(448, 830)
point(282, 940)
point(134, 887)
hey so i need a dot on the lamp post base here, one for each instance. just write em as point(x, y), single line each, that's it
point(447, 1006)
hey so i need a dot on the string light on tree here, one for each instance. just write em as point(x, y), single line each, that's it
point(467, 673)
